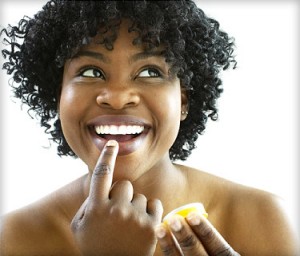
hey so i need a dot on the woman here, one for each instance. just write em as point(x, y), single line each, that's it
point(129, 86)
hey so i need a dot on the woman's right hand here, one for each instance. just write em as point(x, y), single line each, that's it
point(113, 220)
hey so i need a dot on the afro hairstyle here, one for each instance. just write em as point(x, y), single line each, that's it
point(197, 50)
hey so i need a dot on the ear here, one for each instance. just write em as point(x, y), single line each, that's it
point(184, 104)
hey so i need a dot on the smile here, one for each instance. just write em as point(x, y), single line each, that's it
point(130, 132)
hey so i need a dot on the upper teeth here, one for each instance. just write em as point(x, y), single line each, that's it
point(122, 129)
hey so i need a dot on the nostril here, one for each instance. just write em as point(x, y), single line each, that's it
point(118, 99)
point(104, 104)
point(130, 104)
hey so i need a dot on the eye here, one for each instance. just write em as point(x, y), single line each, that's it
point(92, 72)
point(149, 72)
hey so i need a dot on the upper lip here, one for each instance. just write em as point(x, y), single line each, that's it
point(118, 120)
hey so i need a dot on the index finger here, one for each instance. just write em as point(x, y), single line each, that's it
point(101, 180)
point(211, 239)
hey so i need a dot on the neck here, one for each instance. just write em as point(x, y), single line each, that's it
point(158, 181)
point(168, 183)
point(163, 181)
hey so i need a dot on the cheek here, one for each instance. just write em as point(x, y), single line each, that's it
point(70, 104)
point(170, 104)
point(169, 110)
point(71, 107)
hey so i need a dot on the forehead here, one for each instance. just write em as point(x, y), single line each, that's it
point(120, 38)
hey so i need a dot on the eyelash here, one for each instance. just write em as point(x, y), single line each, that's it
point(98, 73)
point(157, 72)
point(94, 70)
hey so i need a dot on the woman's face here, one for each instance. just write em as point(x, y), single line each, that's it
point(124, 94)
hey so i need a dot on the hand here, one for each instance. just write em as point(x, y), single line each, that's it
point(113, 220)
point(194, 235)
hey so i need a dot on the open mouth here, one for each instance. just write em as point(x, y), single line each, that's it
point(130, 132)
point(120, 133)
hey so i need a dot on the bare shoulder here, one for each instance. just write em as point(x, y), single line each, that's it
point(260, 222)
point(23, 231)
point(41, 228)
point(253, 221)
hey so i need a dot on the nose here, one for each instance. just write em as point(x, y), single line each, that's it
point(117, 97)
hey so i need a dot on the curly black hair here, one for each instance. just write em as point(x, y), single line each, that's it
point(194, 46)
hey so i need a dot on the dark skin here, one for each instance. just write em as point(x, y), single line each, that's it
point(51, 218)
point(124, 210)
point(117, 208)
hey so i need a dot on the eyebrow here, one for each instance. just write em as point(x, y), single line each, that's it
point(134, 58)
point(145, 55)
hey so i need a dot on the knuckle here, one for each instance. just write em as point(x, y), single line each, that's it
point(227, 251)
point(207, 232)
point(188, 242)
point(118, 212)
point(75, 225)
point(108, 151)
point(91, 208)
point(214, 240)
point(102, 169)
point(156, 206)
point(155, 202)
point(122, 186)
point(140, 197)
point(124, 183)
point(78, 221)
point(168, 250)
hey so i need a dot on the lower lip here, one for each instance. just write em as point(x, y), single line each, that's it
point(125, 147)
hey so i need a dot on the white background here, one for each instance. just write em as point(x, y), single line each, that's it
point(255, 141)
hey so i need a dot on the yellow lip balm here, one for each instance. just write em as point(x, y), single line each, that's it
point(186, 209)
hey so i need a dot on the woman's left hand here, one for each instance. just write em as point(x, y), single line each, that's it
point(193, 235)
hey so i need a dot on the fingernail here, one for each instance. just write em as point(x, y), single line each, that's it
point(160, 232)
point(193, 218)
point(175, 223)
point(112, 143)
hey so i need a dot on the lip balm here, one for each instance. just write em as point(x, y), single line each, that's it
point(186, 209)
